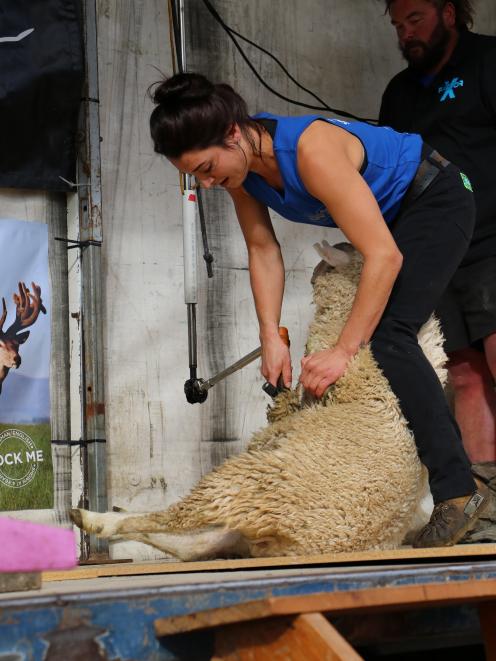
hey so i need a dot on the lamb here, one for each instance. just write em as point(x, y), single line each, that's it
point(334, 475)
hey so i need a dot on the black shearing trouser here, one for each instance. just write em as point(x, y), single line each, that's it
point(433, 233)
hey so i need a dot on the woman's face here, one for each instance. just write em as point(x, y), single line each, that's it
point(225, 166)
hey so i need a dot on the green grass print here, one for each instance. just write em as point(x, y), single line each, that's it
point(38, 494)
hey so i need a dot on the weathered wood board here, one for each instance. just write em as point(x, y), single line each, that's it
point(20, 581)
point(404, 555)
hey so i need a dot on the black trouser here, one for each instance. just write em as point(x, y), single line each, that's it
point(433, 233)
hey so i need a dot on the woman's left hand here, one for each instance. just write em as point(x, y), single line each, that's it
point(321, 369)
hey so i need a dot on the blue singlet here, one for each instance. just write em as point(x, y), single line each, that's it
point(392, 160)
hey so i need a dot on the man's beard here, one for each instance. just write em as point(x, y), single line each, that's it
point(430, 53)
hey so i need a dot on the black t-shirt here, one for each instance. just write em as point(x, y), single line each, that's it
point(455, 112)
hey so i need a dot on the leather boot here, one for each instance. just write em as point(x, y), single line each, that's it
point(485, 471)
point(451, 519)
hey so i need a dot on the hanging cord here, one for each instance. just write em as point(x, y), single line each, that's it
point(230, 32)
point(177, 64)
point(207, 255)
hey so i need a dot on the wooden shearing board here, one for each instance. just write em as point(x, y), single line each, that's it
point(404, 555)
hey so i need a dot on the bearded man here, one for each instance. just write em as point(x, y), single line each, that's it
point(448, 95)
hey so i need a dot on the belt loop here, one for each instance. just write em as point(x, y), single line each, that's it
point(436, 159)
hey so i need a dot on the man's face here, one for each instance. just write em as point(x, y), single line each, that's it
point(422, 33)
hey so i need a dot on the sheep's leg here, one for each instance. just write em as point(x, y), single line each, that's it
point(188, 545)
point(191, 546)
point(108, 524)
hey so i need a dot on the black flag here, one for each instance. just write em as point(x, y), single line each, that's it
point(41, 78)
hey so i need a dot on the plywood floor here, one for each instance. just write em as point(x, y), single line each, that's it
point(404, 556)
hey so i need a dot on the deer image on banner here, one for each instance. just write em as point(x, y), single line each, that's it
point(28, 307)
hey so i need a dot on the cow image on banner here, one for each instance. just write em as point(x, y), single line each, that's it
point(26, 478)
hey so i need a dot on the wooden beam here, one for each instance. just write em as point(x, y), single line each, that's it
point(329, 559)
point(369, 599)
point(391, 598)
point(487, 615)
point(310, 637)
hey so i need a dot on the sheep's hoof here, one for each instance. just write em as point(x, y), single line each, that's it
point(76, 517)
point(89, 521)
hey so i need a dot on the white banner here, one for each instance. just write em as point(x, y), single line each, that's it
point(26, 479)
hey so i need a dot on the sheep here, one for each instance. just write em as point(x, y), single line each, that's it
point(328, 476)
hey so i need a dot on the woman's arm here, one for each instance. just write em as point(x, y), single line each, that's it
point(267, 282)
point(328, 165)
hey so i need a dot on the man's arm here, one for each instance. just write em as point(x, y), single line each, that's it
point(488, 79)
point(388, 116)
point(385, 110)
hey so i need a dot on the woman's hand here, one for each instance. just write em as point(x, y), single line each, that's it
point(276, 360)
point(321, 369)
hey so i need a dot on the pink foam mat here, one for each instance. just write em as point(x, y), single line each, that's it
point(28, 547)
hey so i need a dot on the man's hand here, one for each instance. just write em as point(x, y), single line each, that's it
point(323, 368)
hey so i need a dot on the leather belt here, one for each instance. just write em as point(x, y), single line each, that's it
point(432, 163)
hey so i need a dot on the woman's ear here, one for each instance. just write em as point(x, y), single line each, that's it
point(233, 135)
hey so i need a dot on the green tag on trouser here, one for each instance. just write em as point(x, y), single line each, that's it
point(466, 181)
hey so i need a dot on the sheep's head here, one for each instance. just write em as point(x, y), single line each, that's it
point(334, 287)
point(335, 278)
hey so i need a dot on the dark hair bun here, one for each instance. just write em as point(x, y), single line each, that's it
point(183, 88)
point(193, 113)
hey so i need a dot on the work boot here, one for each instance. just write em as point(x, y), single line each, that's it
point(485, 471)
point(484, 530)
point(451, 519)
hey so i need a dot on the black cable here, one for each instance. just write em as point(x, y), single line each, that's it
point(281, 65)
point(207, 255)
point(230, 32)
point(177, 34)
